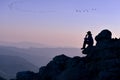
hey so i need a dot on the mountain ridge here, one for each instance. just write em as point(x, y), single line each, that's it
point(38, 56)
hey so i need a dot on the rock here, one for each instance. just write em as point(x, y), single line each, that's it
point(76, 71)
point(54, 67)
point(104, 35)
point(101, 63)
point(25, 75)
point(74, 61)
point(109, 75)
point(1, 78)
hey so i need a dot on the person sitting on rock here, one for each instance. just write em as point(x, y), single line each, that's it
point(88, 40)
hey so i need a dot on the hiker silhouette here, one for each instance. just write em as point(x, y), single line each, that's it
point(88, 40)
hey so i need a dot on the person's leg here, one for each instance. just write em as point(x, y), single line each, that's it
point(90, 44)
point(84, 44)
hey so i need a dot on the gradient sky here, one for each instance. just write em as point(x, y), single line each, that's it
point(58, 23)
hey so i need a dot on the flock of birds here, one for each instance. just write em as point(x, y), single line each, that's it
point(85, 10)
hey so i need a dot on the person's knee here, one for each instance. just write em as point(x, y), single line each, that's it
point(90, 44)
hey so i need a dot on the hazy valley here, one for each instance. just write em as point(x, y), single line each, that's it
point(13, 60)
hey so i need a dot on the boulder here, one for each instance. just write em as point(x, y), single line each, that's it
point(104, 35)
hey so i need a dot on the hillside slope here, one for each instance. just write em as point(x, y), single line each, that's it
point(10, 65)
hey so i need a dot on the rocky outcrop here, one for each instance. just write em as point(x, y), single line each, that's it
point(1, 78)
point(101, 63)
point(104, 58)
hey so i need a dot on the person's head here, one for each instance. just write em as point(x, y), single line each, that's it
point(89, 33)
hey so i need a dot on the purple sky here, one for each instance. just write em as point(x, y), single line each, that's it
point(61, 23)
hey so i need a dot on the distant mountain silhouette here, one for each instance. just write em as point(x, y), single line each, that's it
point(10, 65)
point(23, 44)
point(101, 63)
point(34, 56)
point(38, 56)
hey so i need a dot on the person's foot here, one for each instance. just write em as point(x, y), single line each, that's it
point(82, 48)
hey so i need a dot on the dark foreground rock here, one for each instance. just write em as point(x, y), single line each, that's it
point(1, 78)
point(101, 63)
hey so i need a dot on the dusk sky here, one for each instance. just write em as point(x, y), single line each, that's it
point(61, 23)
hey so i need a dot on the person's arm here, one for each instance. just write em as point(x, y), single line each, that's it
point(85, 39)
point(86, 36)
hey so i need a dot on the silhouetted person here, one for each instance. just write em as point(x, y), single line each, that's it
point(88, 40)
